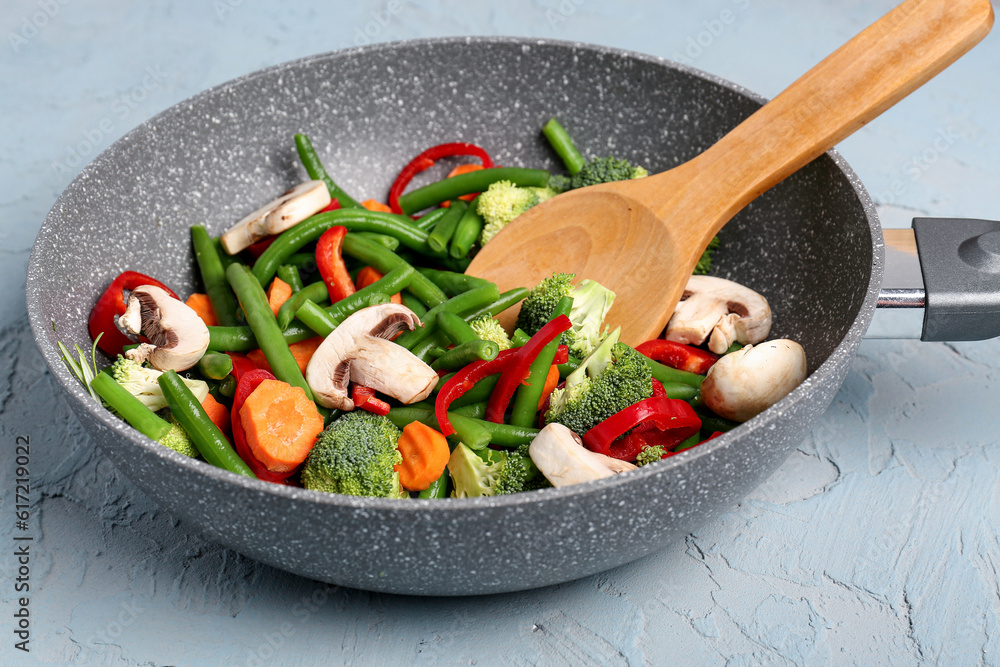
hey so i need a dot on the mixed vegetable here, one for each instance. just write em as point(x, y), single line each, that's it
point(340, 346)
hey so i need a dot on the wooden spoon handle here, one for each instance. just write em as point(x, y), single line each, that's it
point(853, 85)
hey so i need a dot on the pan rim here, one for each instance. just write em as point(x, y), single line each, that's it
point(840, 356)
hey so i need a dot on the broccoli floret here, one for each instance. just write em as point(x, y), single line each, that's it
point(141, 383)
point(178, 440)
point(559, 183)
point(705, 262)
point(650, 454)
point(356, 455)
point(487, 328)
point(472, 476)
point(591, 303)
point(491, 472)
point(537, 309)
point(502, 202)
point(545, 194)
point(606, 170)
point(612, 378)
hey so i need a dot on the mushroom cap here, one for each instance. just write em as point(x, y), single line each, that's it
point(560, 455)
point(721, 311)
point(177, 336)
point(302, 201)
point(360, 350)
point(743, 384)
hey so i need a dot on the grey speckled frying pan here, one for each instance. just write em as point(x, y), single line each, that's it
point(812, 245)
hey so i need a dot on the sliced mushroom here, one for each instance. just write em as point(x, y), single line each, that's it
point(286, 211)
point(722, 311)
point(361, 350)
point(743, 384)
point(560, 456)
point(177, 336)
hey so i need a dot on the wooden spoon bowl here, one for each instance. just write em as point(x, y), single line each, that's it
point(642, 238)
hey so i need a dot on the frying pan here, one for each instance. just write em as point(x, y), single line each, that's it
point(812, 245)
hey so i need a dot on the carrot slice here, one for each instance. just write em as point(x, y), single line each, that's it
point(465, 169)
point(373, 205)
point(551, 382)
point(278, 293)
point(425, 456)
point(280, 424)
point(367, 276)
point(302, 351)
point(201, 304)
point(217, 412)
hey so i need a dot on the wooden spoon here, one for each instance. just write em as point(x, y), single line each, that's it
point(643, 237)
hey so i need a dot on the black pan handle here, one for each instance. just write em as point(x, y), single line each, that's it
point(942, 281)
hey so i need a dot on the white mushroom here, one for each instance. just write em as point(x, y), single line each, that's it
point(722, 311)
point(560, 456)
point(744, 383)
point(288, 210)
point(178, 337)
point(361, 350)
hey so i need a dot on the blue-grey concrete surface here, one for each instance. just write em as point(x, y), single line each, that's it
point(876, 543)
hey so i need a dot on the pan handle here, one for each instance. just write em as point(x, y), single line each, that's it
point(942, 281)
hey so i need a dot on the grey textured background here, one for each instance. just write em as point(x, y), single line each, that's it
point(875, 543)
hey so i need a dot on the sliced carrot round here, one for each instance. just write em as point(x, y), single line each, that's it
point(425, 456)
point(281, 424)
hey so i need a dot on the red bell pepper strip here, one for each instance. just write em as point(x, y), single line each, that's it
point(331, 266)
point(241, 365)
point(677, 355)
point(364, 398)
point(674, 419)
point(426, 160)
point(517, 371)
point(462, 381)
point(332, 206)
point(247, 383)
point(111, 305)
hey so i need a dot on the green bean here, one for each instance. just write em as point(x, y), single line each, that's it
point(227, 387)
point(215, 365)
point(413, 303)
point(425, 347)
point(481, 391)
point(680, 391)
point(131, 409)
point(505, 301)
point(473, 181)
point(468, 231)
point(710, 422)
point(290, 274)
point(452, 282)
point(427, 222)
point(571, 365)
point(441, 235)
point(519, 338)
point(262, 322)
point(452, 264)
point(384, 261)
point(436, 352)
point(213, 276)
point(456, 328)
point(391, 283)
point(311, 161)
point(468, 431)
point(475, 410)
point(206, 436)
point(529, 393)
point(563, 145)
point(304, 261)
point(689, 443)
point(242, 339)
point(316, 292)
point(464, 354)
point(668, 375)
point(355, 220)
point(316, 318)
point(438, 488)
point(390, 242)
point(473, 299)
